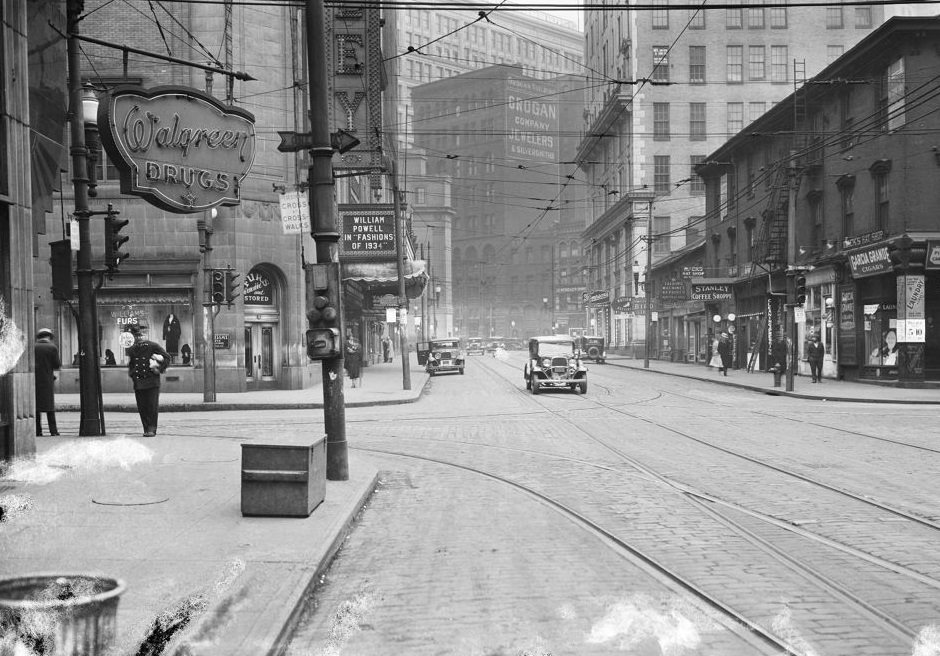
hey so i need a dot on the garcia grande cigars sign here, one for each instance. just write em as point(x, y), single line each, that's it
point(177, 147)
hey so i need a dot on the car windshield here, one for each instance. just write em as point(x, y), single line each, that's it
point(553, 349)
point(443, 345)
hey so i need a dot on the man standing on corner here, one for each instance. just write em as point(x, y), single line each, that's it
point(147, 360)
point(815, 352)
point(47, 363)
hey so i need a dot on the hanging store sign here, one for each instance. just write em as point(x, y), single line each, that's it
point(933, 254)
point(599, 298)
point(711, 291)
point(693, 272)
point(673, 291)
point(870, 262)
point(857, 241)
point(295, 212)
point(178, 148)
point(368, 232)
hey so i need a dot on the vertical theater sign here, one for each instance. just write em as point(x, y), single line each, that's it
point(178, 148)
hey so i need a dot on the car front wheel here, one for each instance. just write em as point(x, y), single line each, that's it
point(583, 386)
point(534, 384)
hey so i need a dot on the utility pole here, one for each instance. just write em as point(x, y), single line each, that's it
point(402, 296)
point(791, 279)
point(325, 234)
point(91, 421)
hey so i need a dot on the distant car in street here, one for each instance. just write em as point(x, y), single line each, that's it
point(493, 346)
point(475, 347)
point(593, 348)
point(554, 362)
point(441, 356)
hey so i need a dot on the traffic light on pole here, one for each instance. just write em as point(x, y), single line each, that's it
point(114, 240)
point(799, 284)
point(218, 286)
point(324, 339)
point(231, 286)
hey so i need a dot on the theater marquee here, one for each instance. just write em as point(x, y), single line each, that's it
point(178, 148)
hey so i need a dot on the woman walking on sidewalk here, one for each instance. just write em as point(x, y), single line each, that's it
point(147, 361)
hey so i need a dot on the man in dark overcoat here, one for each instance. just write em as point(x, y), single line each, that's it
point(47, 363)
point(146, 362)
point(815, 352)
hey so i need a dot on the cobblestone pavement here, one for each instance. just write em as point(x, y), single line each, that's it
point(450, 561)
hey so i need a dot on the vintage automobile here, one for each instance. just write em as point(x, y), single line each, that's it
point(554, 362)
point(592, 348)
point(475, 346)
point(494, 345)
point(441, 355)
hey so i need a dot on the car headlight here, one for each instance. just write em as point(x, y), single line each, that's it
point(546, 363)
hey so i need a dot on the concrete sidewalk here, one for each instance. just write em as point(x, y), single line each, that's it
point(803, 387)
point(163, 514)
point(382, 384)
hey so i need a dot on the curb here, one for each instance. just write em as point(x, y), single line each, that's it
point(776, 391)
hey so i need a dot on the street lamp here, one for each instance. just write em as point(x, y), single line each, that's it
point(91, 420)
point(647, 196)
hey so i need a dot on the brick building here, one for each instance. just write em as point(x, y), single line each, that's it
point(834, 189)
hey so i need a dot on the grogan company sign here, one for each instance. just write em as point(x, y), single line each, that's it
point(178, 148)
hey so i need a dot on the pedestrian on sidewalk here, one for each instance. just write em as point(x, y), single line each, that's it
point(815, 352)
point(779, 352)
point(147, 361)
point(353, 358)
point(724, 350)
point(47, 363)
point(386, 349)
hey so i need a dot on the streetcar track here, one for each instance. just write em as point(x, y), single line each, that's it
point(661, 571)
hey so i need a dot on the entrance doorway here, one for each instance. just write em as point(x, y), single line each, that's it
point(260, 360)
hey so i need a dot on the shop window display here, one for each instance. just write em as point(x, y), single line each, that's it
point(170, 325)
point(881, 339)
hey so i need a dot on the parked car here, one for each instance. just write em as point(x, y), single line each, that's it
point(554, 362)
point(475, 347)
point(593, 348)
point(441, 355)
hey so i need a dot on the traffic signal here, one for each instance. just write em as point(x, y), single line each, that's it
point(907, 255)
point(114, 240)
point(231, 286)
point(324, 339)
point(799, 284)
point(218, 286)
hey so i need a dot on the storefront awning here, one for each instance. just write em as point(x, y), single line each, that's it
point(382, 277)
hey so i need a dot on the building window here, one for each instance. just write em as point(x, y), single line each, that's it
point(755, 16)
point(693, 230)
point(834, 18)
point(697, 19)
point(879, 172)
point(755, 110)
point(734, 16)
point(421, 196)
point(756, 63)
point(661, 121)
point(749, 239)
point(778, 64)
point(833, 53)
point(735, 65)
point(661, 179)
point(661, 63)
point(697, 64)
point(697, 121)
point(697, 184)
point(894, 86)
point(863, 18)
point(660, 16)
point(660, 235)
point(846, 121)
point(735, 118)
point(846, 185)
point(778, 17)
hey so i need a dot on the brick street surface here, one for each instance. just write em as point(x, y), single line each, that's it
point(462, 558)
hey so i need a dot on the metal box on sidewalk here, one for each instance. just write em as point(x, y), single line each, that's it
point(282, 480)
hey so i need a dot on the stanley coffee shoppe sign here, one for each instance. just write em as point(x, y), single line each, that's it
point(178, 148)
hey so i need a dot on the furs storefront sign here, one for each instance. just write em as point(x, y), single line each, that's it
point(178, 148)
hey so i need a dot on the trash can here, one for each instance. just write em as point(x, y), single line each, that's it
point(59, 614)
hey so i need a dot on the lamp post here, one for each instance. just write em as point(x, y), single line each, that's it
point(647, 196)
point(91, 420)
